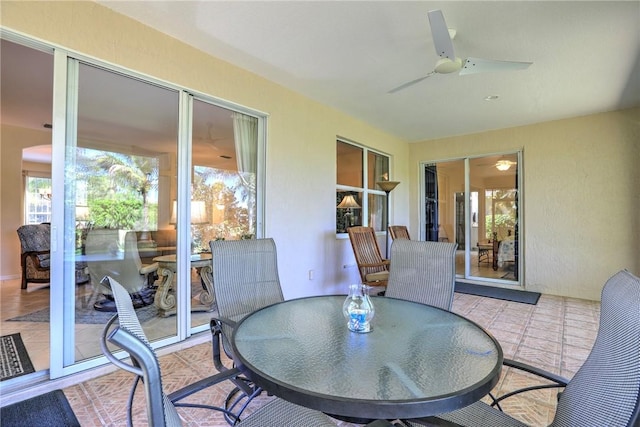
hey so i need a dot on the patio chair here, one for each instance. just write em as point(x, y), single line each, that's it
point(399, 232)
point(245, 279)
point(105, 257)
point(374, 271)
point(160, 407)
point(606, 388)
point(423, 272)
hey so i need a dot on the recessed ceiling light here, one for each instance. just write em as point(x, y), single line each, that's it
point(491, 97)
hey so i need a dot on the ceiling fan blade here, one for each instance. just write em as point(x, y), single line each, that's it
point(411, 83)
point(441, 39)
point(479, 65)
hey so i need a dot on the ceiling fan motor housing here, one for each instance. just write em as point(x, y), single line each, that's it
point(446, 65)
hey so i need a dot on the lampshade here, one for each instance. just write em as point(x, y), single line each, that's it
point(349, 202)
point(82, 213)
point(387, 186)
point(198, 212)
point(503, 165)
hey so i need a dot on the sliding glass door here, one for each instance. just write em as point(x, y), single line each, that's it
point(474, 203)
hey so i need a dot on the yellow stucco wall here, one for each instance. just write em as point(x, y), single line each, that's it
point(301, 132)
point(581, 206)
point(581, 220)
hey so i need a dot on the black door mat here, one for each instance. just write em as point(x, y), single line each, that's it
point(14, 359)
point(49, 409)
point(525, 297)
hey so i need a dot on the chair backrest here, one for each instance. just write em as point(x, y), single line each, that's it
point(399, 232)
point(245, 278)
point(34, 237)
point(130, 337)
point(605, 390)
point(423, 272)
point(105, 257)
point(366, 250)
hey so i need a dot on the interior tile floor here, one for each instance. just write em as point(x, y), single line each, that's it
point(556, 334)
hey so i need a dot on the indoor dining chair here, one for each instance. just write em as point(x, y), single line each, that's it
point(129, 336)
point(604, 392)
point(423, 272)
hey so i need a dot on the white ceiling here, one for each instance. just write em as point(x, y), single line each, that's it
point(350, 54)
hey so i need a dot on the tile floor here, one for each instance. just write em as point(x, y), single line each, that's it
point(556, 334)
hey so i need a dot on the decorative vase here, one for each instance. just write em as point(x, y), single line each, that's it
point(358, 309)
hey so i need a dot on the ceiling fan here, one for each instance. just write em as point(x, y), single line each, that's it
point(449, 62)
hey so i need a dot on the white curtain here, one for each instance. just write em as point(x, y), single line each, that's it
point(245, 133)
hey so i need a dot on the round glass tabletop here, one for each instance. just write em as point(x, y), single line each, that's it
point(417, 361)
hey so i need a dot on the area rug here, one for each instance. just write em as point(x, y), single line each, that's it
point(525, 297)
point(86, 314)
point(14, 359)
point(50, 409)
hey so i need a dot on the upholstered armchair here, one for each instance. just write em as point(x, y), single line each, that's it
point(35, 251)
point(34, 257)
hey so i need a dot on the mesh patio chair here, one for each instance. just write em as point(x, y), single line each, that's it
point(399, 232)
point(604, 392)
point(374, 270)
point(423, 272)
point(245, 279)
point(161, 408)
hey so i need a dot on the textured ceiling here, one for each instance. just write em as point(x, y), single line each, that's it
point(350, 54)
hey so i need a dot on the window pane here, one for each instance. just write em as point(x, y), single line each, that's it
point(349, 210)
point(38, 200)
point(349, 165)
point(224, 158)
point(377, 211)
point(377, 169)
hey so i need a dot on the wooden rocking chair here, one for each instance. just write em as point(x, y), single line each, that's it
point(399, 232)
point(374, 270)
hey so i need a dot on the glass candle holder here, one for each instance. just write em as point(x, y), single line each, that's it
point(358, 309)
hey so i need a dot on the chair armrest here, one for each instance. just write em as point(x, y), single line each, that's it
point(149, 268)
point(215, 325)
point(560, 381)
point(556, 380)
point(223, 320)
point(385, 262)
point(35, 256)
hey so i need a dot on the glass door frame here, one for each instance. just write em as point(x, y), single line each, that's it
point(451, 198)
point(64, 140)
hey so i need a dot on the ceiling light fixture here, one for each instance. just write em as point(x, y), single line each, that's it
point(503, 165)
point(491, 97)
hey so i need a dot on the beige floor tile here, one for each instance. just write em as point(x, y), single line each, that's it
point(556, 334)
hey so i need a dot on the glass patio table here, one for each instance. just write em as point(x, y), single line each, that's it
point(417, 361)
